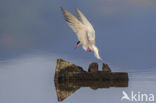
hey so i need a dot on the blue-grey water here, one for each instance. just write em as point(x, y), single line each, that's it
point(30, 79)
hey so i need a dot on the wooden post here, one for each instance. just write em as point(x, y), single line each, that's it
point(69, 78)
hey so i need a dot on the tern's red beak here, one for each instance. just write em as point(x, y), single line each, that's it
point(89, 50)
point(76, 46)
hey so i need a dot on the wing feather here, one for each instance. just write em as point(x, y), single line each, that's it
point(77, 27)
point(82, 18)
point(72, 21)
point(85, 21)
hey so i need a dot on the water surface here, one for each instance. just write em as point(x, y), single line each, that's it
point(30, 79)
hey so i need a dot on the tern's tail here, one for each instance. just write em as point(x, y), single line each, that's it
point(96, 53)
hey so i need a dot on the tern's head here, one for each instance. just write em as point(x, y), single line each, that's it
point(77, 44)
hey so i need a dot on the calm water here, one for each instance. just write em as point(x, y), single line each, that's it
point(30, 79)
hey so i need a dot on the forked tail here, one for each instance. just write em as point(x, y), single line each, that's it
point(96, 53)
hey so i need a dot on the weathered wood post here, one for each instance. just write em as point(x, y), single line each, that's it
point(69, 78)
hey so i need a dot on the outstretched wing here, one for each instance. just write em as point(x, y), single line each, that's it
point(77, 27)
point(84, 20)
point(72, 21)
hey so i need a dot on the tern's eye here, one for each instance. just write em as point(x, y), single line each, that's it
point(78, 42)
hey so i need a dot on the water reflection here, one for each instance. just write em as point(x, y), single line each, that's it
point(30, 79)
point(69, 78)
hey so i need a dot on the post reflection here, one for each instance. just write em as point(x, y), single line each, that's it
point(69, 78)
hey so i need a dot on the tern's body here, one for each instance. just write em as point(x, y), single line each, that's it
point(83, 29)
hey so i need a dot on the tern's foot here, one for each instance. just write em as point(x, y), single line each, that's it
point(89, 50)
